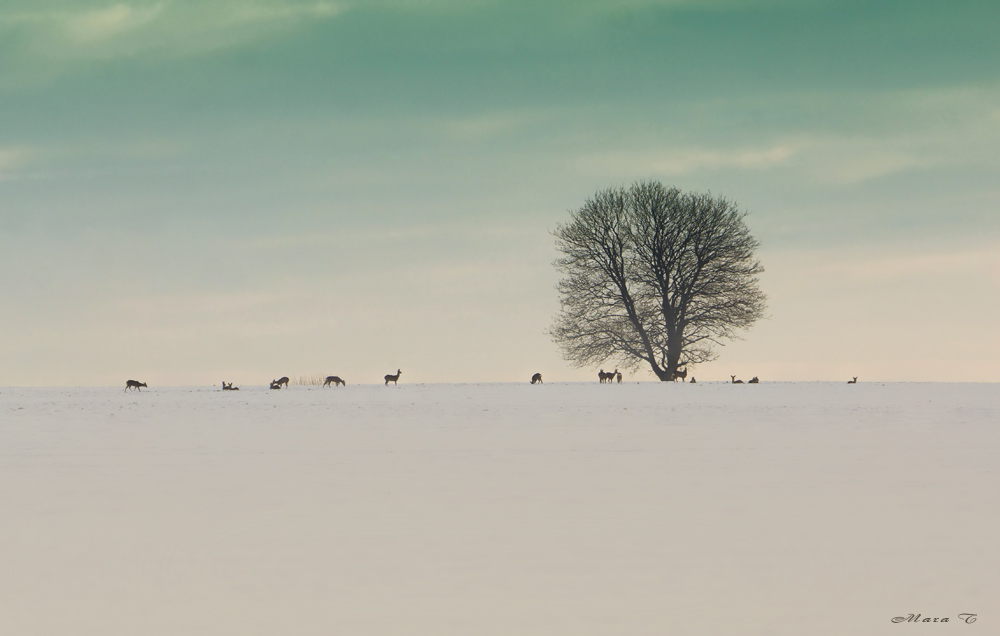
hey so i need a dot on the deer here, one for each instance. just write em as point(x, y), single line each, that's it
point(283, 380)
point(135, 384)
point(693, 381)
point(229, 387)
point(393, 378)
point(682, 374)
point(605, 377)
point(619, 374)
point(854, 381)
point(275, 385)
point(735, 381)
point(754, 381)
point(537, 379)
point(334, 380)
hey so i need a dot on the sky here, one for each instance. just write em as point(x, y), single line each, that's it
point(194, 191)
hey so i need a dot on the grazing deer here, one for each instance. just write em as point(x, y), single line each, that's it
point(283, 380)
point(682, 374)
point(275, 385)
point(619, 374)
point(693, 380)
point(229, 387)
point(854, 381)
point(393, 378)
point(334, 380)
point(537, 379)
point(134, 384)
point(735, 381)
point(754, 381)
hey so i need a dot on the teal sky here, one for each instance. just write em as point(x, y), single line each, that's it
point(198, 190)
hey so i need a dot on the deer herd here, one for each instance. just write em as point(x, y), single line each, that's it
point(605, 377)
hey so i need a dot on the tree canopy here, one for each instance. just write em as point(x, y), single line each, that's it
point(653, 275)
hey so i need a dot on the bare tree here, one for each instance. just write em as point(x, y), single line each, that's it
point(654, 276)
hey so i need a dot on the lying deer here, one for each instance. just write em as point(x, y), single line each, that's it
point(537, 379)
point(134, 384)
point(275, 385)
point(334, 380)
point(854, 381)
point(229, 387)
point(693, 380)
point(754, 381)
point(393, 378)
point(735, 381)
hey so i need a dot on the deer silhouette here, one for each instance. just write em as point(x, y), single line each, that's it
point(753, 381)
point(606, 377)
point(134, 384)
point(334, 380)
point(393, 378)
point(681, 373)
point(619, 374)
point(735, 381)
point(693, 380)
point(854, 381)
point(537, 379)
point(283, 380)
point(229, 387)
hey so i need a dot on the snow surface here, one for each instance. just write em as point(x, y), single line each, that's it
point(560, 509)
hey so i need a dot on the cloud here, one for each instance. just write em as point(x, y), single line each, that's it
point(918, 263)
point(53, 36)
point(487, 126)
point(106, 23)
point(820, 158)
point(687, 160)
point(11, 159)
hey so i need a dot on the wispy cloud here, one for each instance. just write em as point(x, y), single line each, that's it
point(820, 158)
point(108, 22)
point(11, 159)
point(940, 261)
point(54, 35)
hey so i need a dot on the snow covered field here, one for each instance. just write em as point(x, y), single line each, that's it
point(572, 509)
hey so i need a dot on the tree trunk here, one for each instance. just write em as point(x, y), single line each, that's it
point(663, 374)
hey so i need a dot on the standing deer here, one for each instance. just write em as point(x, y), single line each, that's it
point(619, 377)
point(135, 384)
point(682, 374)
point(334, 380)
point(537, 379)
point(606, 377)
point(393, 378)
point(854, 381)
point(754, 381)
point(735, 381)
